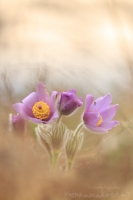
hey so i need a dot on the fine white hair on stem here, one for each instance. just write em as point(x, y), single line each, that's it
point(10, 123)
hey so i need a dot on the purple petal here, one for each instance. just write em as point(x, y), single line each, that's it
point(101, 103)
point(66, 96)
point(55, 115)
point(69, 107)
point(73, 91)
point(89, 101)
point(30, 100)
point(52, 101)
point(97, 129)
point(109, 113)
point(42, 94)
point(18, 123)
point(35, 120)
point(65, 99)
point(91, 118)
point(109, 125)
point(68, 102)
point(22, 109)
point(16, 118)
point(79, 101)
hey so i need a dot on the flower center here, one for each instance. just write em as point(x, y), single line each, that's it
point(100, 121)
point(41, 110)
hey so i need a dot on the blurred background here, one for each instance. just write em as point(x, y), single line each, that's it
point(81, 44)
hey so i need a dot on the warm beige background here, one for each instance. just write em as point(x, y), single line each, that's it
point(81, 43)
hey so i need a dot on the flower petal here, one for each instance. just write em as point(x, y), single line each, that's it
point(16, 118)
point(52, 101)
point(89, 101)
point(18, 123)
point(30, 100)
point(22, 109)
point(97, 129)
point(101, 103)
point(68, 102)
point(35, 120)
point(70, 107)
point(65, 99)
point(79, 101)
point(91, 118)
point(109, 125)
point(55, 115)
point(73, 91)
point(42, 93)
point(109, 113)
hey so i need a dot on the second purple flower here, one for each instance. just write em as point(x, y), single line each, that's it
point(68, 102)
point(98, 114)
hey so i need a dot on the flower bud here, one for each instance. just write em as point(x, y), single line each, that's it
point(52, 136)
point(68, 102)
point(43, 133)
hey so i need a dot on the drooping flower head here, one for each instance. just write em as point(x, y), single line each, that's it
point(38, 107)
point(98, 114)
point(68, 102)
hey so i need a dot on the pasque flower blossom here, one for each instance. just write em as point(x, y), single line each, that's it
point(68, 102)
point(98, 114)
point(38, 107)
point(18, 123)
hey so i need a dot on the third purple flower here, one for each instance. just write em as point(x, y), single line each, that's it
point(98, 114)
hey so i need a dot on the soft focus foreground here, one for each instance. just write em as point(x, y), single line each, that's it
point(86, 45)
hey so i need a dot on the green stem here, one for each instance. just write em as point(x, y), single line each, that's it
point(54, 162)
point(79, 127)
point(70, 161)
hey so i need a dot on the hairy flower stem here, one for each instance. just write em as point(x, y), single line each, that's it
point(70, 161)
point(55, 158)
point(59, 119)
point(56, 153)
point(79, 127)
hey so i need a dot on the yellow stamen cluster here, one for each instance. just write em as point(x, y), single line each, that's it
point(100, 121)
point(41, 110)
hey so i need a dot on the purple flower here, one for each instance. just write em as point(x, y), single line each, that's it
point(99, 113)
point(68, 102)
point(18, 123)
point(38, 107)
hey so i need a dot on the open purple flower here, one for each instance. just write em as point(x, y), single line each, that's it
point(38, 107)
point(18, 123)
point(68, 102)
point(98, 114)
